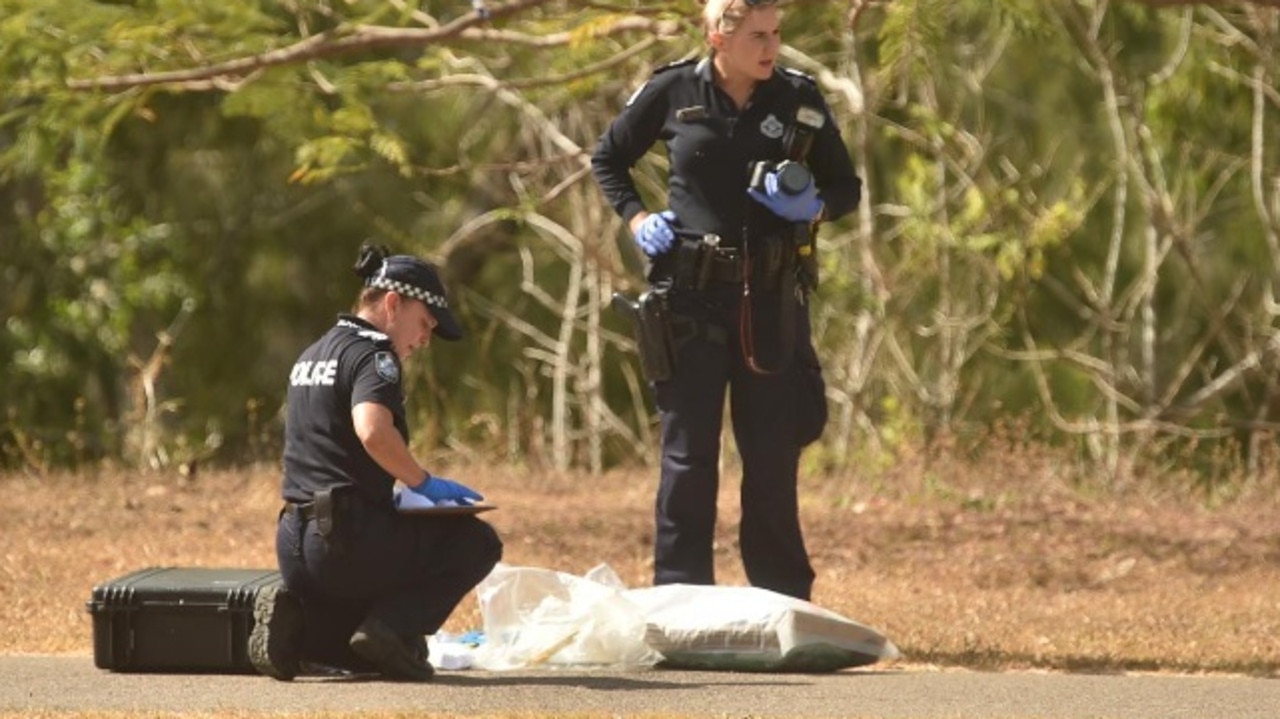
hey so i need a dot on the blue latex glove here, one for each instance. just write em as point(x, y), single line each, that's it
point(473, 638)
point(803, 206)
point(655, 235)
point(439, 489)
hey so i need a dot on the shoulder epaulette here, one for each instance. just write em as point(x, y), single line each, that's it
point(803, 76)
point(676, 64)
point(378, 338)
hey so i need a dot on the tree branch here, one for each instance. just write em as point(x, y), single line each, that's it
point(340, 41)
point(561, 79)
point(1180, 3)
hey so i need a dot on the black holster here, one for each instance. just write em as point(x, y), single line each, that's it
point(655, 341)
point(332, 510)
point(324, 512)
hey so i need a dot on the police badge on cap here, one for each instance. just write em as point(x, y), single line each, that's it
point(409, 276)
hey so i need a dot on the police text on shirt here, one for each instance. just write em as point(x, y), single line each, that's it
point(313, 374)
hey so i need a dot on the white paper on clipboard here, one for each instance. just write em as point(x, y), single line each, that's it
point(408, 502)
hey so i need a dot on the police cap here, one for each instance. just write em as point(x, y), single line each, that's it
point(411, 277)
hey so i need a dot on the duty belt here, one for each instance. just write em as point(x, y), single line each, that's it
point(699, 261)
point(723, 268)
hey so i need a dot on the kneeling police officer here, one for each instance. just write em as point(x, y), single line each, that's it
point(364, 585)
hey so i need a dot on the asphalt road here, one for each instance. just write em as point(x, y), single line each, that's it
point(71, 683)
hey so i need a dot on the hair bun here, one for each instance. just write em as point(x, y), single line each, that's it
point(370, 259)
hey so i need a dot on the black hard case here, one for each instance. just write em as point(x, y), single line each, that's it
point(170, 619)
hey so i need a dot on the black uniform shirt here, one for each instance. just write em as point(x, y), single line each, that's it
point(352, 363)
point(711, 146)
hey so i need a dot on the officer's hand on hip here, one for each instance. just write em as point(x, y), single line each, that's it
point(439, 489)
point(803, 206)
point(655, 235)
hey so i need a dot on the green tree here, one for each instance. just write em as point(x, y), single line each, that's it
point(1068, 205)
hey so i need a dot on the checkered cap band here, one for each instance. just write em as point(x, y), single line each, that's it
point(408, 290)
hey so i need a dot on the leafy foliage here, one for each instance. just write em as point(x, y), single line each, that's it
point(1061, 198)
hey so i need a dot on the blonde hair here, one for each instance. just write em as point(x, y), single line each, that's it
point(724, 16)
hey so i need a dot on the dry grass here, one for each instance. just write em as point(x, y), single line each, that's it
point(993, 564)
point(233, 714)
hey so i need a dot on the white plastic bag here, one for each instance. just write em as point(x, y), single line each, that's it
point(542, 618)
point(449, 652)
point(752, 629)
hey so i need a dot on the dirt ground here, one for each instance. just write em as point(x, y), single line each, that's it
point(959, 564)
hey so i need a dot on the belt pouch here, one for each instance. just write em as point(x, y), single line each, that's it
point(688, 260)
point(324, 512)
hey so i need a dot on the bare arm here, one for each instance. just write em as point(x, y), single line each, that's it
point(377, 432)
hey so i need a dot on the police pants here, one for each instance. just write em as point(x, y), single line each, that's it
point(409, 572)
point(764, 412)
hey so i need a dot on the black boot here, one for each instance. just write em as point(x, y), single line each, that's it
point(276, 640)
point(395, 657)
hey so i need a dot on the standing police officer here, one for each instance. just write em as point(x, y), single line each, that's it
point(364, 584)
point(731, 257)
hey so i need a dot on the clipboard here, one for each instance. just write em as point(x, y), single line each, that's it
point(455, 510)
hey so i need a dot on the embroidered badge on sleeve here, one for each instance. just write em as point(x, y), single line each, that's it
point(385, 364)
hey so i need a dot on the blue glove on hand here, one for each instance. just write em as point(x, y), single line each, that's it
point(438, 489)
point(655, 235)
point(800, 207)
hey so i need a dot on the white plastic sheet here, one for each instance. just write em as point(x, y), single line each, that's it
point(539, 617)
point(543, 618)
